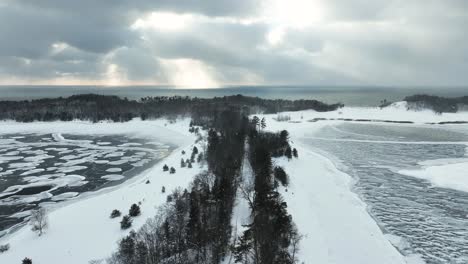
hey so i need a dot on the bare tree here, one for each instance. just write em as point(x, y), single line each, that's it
point(38, 220)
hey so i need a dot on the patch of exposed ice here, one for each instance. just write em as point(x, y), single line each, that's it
point(129, 144)
point(71, 169)
point(114, 170)
point(114, 154)
point(64, 196)
point(113, 177)
point(32, 171)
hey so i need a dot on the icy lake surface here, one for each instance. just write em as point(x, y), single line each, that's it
point(49, 168)
point(429, 221)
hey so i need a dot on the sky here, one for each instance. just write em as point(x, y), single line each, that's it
point(212, 43)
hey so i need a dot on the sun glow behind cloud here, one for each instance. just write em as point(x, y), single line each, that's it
point(189, 73)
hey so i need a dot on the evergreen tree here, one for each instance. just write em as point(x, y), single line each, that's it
point(173, 170)
point(126, 222)
point(255, 121)
point(200, 157)
point(127, 248)
point(163, 189)
point(165, 168)
point(27, 261)
point(182, 163)
point(295, 153)
point(288, 153)
point(281, 176)
point(115, 213)
point(134, 210)
point(263, 123)
point(195, 150)
point(189, 165)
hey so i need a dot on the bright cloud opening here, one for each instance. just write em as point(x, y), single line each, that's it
point(189, 73)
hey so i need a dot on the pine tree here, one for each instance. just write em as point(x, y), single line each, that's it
point(172, 170)
point(263, 123)
point(200, 157)
point(115, 213)
point(182, 163)
point(288, 153)
point(163, 189)
point(281, 176)
point(126, 222)
point(189, 165)
point(165, 168)
point(255, 121)
point(134, 210)
point(27, 261)
point(295, 153)
point(195, 150)
point(127, 248)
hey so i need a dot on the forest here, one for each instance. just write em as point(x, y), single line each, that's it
point(96, 108)
point(437, 104)
point(194, 226)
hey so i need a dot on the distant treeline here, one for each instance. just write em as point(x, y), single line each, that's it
point(95, 107)
point(436, 103)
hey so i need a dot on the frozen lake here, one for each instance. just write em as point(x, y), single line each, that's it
point(50, 168)
point(419, 217)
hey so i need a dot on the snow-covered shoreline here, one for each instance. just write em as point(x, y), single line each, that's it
point(335, 221)
point(81, 230)
point(337, 226)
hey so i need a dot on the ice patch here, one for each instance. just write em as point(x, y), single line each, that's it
point(71, 169)
point(114, 170)
point(452, 175)
point(32, 172)
point(113, 177)
point(115, 154)
point(64, 196)
point(129, 144)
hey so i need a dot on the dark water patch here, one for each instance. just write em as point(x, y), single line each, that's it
point(63, 164)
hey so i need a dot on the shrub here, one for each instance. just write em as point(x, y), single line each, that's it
point(4, 248)
point(134, 210)
point(115, 213)
point(27, 261)
point(126, 222)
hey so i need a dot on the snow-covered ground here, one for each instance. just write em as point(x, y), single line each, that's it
point(81, 230)
point(334, 221)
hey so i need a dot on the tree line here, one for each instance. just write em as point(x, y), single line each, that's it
point(95, 107)
point(436, 103)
